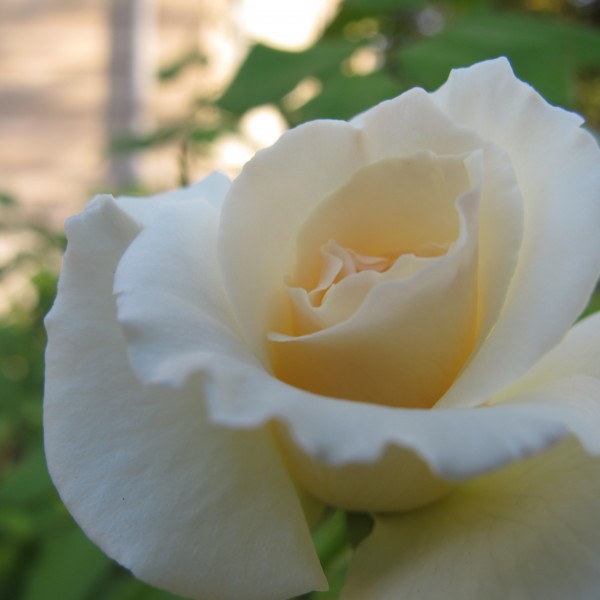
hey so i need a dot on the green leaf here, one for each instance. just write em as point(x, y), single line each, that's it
point(122, 586)
point(375, 7)
point(126, 144)
point(360, 525)
point(593, 304)
point(469, 6)
point(69, 567)
point(172, 70)
point(336, 577)
point(267, 74)
point(7, 199)
point(382, 10)
point(28, 480)
point(156, 594)
point(204, 135)
point(345, 97)
point(331, 543)
point(16, 523)
point(544, 52)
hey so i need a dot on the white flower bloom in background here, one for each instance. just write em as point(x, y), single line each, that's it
point(376, 315)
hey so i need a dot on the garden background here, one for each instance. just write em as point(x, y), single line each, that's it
point(139, 96)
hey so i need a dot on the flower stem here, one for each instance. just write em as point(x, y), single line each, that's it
point(331, 537)
point(333, 548)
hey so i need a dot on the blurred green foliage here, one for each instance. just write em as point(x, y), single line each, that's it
point(553, 44)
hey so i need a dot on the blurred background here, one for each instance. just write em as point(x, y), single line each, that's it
point(139, 96)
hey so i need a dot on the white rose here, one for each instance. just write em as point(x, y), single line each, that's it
point(219, 351)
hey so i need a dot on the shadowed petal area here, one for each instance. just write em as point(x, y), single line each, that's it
point(187, 506)
point(557, 167)
point(531, 530)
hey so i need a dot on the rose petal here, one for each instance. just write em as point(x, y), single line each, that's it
point(417, 195)
point(278, 190)
point(557, 166)
point(574, 400)
point(405, 345)
point(392, 207)
point(413, 122)
point(196, 509)
point(349, 451)
point(410, 123)
point(344, 298)
point(531, 530)
point(577, 354)
point(266, 205)
point(345, 452)
point(170, 297)
point(213, 188)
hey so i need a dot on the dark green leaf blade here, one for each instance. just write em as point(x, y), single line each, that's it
point(268, 74)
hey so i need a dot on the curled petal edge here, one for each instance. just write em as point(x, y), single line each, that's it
point(455, 444)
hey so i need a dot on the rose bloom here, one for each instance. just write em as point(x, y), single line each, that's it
point(374, 316)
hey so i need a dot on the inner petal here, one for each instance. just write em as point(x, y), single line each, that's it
point(343, 288)
point(393, 207)
point(399, 333)
point(339, 263)
point(388, 221)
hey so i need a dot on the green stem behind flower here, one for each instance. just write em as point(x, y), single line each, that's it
point(335, 538)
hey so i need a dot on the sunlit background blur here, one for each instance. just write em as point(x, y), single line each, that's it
point(139, 96)
point(61, 95)
point(59, 81)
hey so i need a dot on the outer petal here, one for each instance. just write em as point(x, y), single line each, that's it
point(377, 461)
point(577, 354)
point(557, 165)
point(529, 531)
point(143, 210)
point(346, 453)
point(204, 512)
point(169, 293)
point(573, 400)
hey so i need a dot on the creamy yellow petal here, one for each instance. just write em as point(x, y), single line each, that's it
point(557, 167)
point(405, 344)
point(530, 531)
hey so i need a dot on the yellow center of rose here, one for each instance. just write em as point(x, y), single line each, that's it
point(382, 303)
point(339, 263)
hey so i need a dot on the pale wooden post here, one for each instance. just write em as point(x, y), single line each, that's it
point(131, 72)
